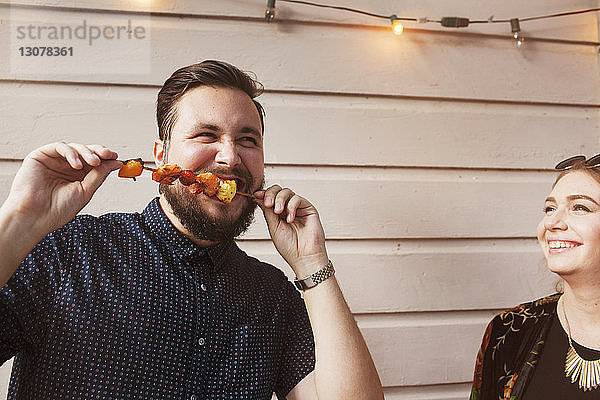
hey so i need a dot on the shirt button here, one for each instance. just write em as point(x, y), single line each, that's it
point(201, 341)
point(203, 287)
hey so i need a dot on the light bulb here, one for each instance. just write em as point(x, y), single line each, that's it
point(270, 11)
point(519, 40)
point(397, 27)
point(515, 27)
point(270, 14)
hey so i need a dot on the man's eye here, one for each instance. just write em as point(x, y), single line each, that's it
point(249, 139)
point(205, 135)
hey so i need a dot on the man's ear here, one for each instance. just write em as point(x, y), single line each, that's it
point(159, 152)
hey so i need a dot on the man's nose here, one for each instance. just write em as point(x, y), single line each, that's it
point(227, 154)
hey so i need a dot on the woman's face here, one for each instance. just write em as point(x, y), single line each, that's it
point(569, 232)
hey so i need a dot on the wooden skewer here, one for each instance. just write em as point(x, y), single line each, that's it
point(246, 194)
point(143, 166)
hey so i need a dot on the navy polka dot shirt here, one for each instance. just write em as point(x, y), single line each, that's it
point(123, 306)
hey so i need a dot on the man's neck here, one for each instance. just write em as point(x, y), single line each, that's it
point(166, 207)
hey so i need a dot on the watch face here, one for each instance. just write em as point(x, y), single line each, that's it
point(305, 283)
point(300, 285)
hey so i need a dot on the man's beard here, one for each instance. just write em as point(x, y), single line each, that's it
point(191, 213)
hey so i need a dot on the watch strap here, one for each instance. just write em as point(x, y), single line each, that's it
point(316, 278)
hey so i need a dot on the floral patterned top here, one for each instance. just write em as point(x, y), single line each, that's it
point(511, 347)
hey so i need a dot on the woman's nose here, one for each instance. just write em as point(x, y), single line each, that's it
point(556, 221)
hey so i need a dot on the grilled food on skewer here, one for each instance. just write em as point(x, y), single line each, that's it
point(206, 182)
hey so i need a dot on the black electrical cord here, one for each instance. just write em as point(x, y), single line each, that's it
point(560, 14)
point(484, 21)
point(308, 3)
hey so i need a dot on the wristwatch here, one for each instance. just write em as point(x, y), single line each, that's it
point(316, 278)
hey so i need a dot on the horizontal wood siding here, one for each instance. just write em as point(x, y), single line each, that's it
point(350, 130)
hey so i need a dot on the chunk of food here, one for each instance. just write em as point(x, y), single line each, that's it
point(195, 188)
point(227, 190)
point(131, 168)
point(187, 177)
point(210, 183)
point(168, 174)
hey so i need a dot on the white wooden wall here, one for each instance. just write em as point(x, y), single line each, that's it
point(427, 155)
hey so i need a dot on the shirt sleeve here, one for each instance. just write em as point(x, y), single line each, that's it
point(297, 355)
point(27, 298)
point(483, 375)
point(10, 334)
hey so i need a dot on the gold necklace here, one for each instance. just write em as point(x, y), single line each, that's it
point(586, 372)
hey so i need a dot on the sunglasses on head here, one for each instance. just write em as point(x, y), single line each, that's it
point(569, 162)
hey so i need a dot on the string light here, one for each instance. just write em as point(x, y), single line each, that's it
point(270, 11)
point(450, 22)
point(397, 26)
point(515, 28)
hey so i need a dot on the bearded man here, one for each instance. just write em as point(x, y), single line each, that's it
point(163, 304)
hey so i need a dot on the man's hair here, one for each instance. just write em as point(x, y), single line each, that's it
point(207, 73)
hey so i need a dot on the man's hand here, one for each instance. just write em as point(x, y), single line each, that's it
point(295, 228)
point(53, 184)
point(344, 368)
point(56, 181)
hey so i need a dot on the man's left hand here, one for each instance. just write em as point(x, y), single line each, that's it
point(295, 229)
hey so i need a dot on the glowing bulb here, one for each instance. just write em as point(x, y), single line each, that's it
point(397, 27)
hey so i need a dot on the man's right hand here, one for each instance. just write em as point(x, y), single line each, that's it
point(55, 182)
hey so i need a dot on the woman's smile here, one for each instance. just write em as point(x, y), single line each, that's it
point(560, 246)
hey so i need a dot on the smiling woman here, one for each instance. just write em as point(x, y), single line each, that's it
point(550, 348)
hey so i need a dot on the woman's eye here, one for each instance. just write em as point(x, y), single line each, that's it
point(580, 207)
point(549, 209)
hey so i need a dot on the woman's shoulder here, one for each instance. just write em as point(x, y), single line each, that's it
point(511, 328)
point(541, 305)
point(525, 315)
point(510, 340)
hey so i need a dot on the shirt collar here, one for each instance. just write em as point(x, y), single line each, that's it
point(177, 242)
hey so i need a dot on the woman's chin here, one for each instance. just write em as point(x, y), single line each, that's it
point(563, 269)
